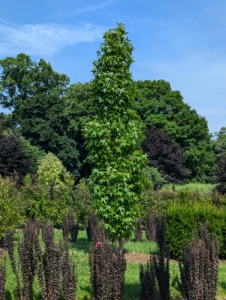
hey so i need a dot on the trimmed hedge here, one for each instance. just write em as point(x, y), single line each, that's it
point(183, 218)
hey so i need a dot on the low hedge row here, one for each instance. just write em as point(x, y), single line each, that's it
point(183, 218)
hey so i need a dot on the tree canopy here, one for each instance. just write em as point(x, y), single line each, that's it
point(14, 159)
point(165, 155)
point(160, 107)
point(79, 111)
point(22, 78)
point(34, 91)
point(219, 143)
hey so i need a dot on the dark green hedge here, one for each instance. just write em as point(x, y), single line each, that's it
point(182, 219)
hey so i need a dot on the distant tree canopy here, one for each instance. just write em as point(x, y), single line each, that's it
point(22, 78)
point(164, 155)
point(160, 107)
point(219, 143)
point(221, 173)
point(219, 148)
point(50, 115)
point(34, 92)
point(79, 111)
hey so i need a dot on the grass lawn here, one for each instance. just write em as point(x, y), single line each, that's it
point(79, 252)
point(202, 188)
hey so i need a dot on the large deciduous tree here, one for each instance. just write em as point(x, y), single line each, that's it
point(164, 154)
point(22, 78)
point(113, 137)
point(34, 93)
point(219, 143)
point(219, 147)
point(79, 110)
point(161, 107)
point(221, 173)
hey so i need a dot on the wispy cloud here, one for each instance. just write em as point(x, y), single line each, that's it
point(44, 39)
point(88, 9)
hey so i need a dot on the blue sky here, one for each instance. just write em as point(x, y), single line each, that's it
point(180, 41)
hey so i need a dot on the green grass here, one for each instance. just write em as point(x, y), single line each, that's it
point(202, 188)
point(79, 252)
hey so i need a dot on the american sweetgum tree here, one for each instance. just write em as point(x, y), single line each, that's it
point(113, 137)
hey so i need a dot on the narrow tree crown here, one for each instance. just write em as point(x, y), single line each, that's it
point(112, 85)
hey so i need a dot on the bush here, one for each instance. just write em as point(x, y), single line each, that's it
point(153, 176)
point(161, 259)
point(51, 170)
point(183, 218)
point(138, 230)
point(150, 226)
point(45, 204)
point(95, 229)
point(199, 267)
point(69, 227)
point(53, 266)
point(2, 277)
point(107, 268)
point(148, 281)
point(156, 201)
point(82, 203)
point(9, 206)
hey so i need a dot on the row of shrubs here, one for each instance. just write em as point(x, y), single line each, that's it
point(56, 271)
point(181, 220)
point(51, 263)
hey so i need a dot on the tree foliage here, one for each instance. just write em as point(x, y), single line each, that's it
point(79, 111)
point(113, 137)
point(22, 78)
point(219, 143)
point(34, 91)
point(161, 107)
point(221, 173)
point(164, 154)
point(45, 125)
point(219, 147)
point(52, 172)
point(14, 159)
point(9, 206)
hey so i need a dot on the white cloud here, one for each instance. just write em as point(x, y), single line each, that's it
point(87, 9)
point(94, 7)
point(44, 39)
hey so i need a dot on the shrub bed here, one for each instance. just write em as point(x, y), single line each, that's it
point(183, 218)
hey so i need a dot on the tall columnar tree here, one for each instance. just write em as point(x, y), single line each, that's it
point(114, 135)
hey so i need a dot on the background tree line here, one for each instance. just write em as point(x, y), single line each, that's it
point(49, 114)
